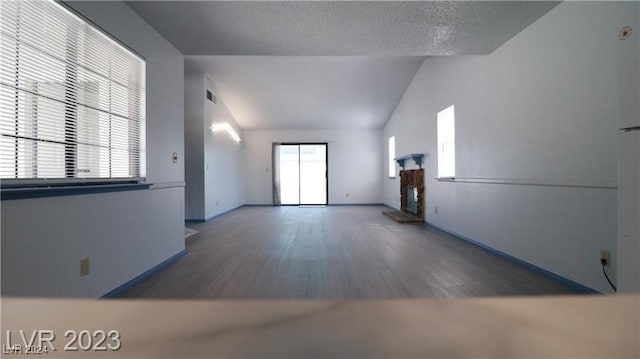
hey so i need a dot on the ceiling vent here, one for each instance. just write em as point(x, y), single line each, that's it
point(211, 97)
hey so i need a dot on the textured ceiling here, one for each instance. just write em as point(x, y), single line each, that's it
point(323, 28)
point(326, 64)
point(303, 92)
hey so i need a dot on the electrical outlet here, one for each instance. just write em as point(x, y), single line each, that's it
point(84, 267)
point(347, 195)
point(606, 257)
point(436, 209)
point(174, 157)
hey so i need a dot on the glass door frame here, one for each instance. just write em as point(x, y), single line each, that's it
point(326, 163)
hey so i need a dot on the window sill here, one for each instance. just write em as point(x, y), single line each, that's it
point(391, 177)
point(445, 179)
point(39, 192)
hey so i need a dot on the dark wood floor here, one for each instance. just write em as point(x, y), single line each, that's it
point(350, 252)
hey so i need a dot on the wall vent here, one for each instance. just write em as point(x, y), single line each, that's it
point(211, 97)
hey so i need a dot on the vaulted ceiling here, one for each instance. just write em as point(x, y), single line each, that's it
point(309, 92)
point(327, 64)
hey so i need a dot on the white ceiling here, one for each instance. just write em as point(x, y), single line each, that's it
point(334, 28)
point(326, 64)
point(305, 92)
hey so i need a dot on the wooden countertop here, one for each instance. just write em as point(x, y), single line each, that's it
point(524, 327)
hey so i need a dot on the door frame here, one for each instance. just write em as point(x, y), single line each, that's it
point(326, 164)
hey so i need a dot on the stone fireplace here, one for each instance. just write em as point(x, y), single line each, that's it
point(412, 192)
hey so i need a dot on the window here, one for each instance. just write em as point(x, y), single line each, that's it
point(72, 100)
point(392, 156)
point(446, 143)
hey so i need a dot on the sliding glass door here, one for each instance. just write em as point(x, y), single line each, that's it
point(289, 172)
point(313, 174)
point(300, 174)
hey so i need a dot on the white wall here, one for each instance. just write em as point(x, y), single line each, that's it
point(223, 156)
point(124, 233)
point(629, 162)
point(213, 160)
point(194, 145)
point(355, 156)
point(541, 109)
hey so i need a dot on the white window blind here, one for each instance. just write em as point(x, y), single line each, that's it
point(447, 142)
point(72, 100)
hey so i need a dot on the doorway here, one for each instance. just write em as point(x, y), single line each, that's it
point(300, 174)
